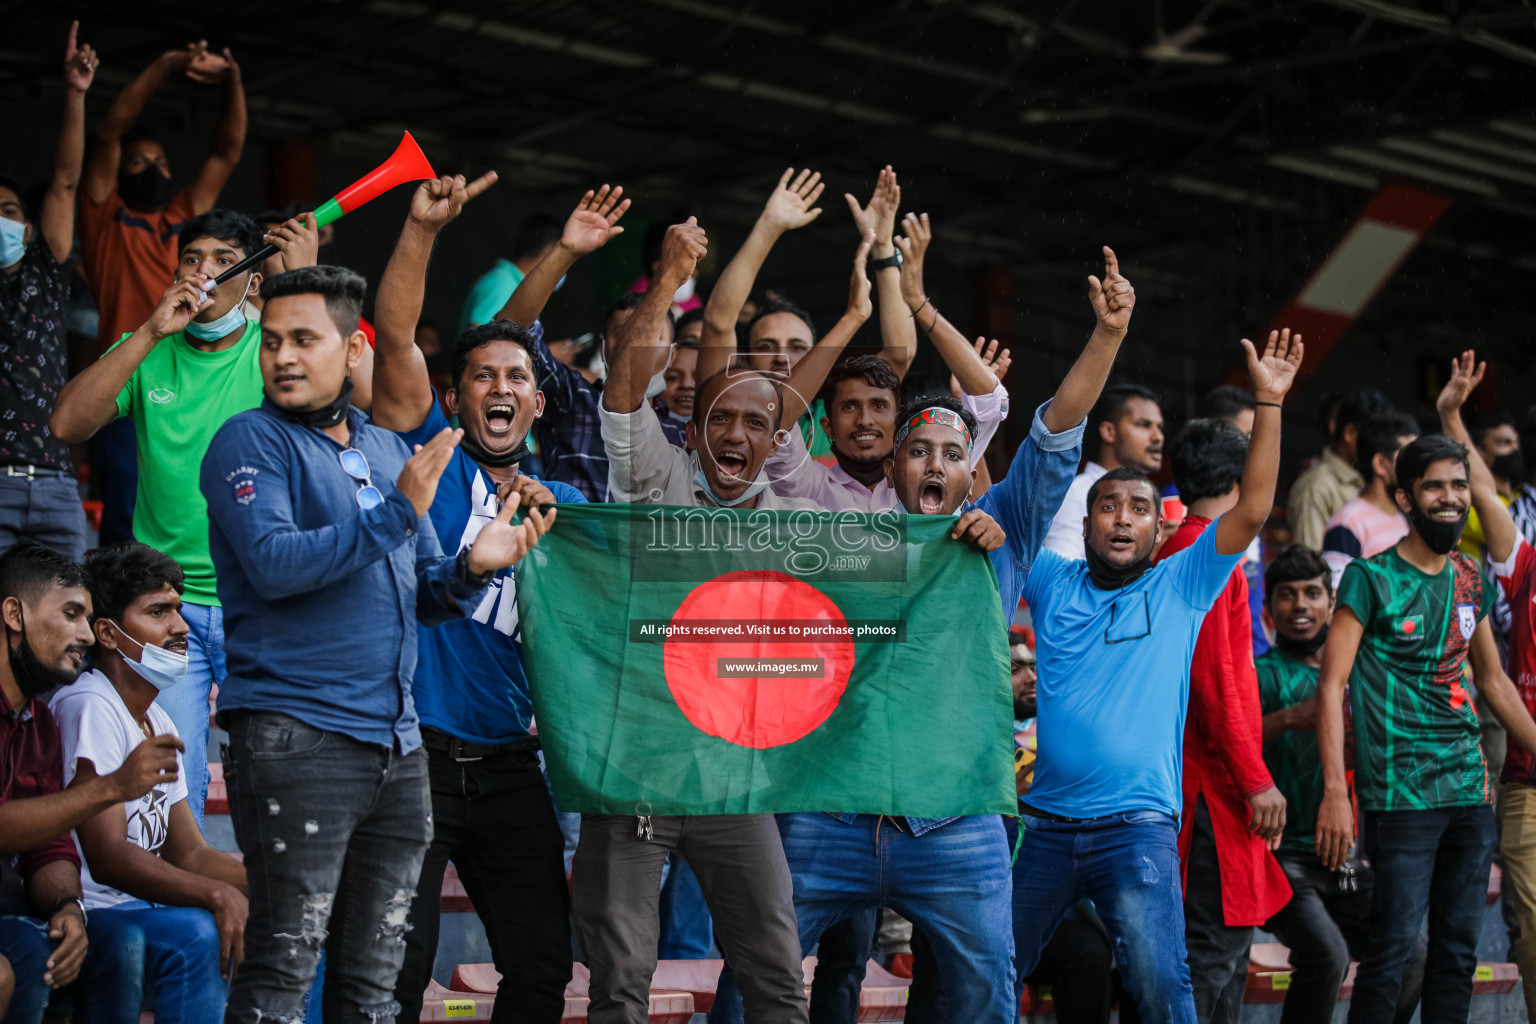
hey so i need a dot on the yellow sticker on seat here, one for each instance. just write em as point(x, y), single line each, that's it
point(1280, 982)
point(458, 1007)
point(1483, 973)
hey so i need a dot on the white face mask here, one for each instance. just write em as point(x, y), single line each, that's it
point(225, 325)
point(684, 293)
point(163, 668)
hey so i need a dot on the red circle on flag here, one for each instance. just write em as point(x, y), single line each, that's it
point(1408, 626)
point(756, 711)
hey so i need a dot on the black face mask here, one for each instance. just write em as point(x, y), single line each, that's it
point(1301, 649)
point(146, 190)
point(520, 452)
point(1439, 537)
point(327, 415)
point(1510, 466)
point(33, 678)
point(1110, 577)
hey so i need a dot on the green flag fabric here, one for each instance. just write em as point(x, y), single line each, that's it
point(721, 661)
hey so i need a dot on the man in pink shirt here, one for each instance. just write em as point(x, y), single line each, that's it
point(1371, 523)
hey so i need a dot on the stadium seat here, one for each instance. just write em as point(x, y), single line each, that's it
point(667, 1007)
point(882, 998)
point(1035, 1001)
point(441, 1004)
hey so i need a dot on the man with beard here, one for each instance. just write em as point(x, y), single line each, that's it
point(1232, 813)
point(1328, 918)
point(312, 508)
point(149, 873)
point(1128, 422)
point(1513, 562)
point(491, 811)
point(1407, 623)
point(130, 216)
point(46, 609)
point(1371, 522)
point(1116, 638)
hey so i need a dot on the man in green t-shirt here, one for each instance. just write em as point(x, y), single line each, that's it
point(536, 238)
point(1408, 621)
point(1328, 917)
point(192, 365)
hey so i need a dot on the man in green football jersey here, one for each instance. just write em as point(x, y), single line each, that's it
point(1328, 918)
point(1407, 622)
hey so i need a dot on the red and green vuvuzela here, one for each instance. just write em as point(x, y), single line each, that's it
point(720, 661)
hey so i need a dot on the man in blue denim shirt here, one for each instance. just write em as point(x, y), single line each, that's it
point(308, 534)
point(951, 876)
point(1116, 638)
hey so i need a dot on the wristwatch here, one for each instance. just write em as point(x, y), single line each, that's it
point(76, 900)
point(466, 576)
point(893, 260)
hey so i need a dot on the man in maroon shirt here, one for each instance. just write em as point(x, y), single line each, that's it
point(46, 612)
point(1233, 814)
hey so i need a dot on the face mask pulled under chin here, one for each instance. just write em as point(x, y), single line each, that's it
point(684, 293)
point(146, 190)
point(32, 677)
point(162, 668)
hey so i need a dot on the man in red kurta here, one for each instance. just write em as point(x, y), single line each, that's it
point(1233, 814)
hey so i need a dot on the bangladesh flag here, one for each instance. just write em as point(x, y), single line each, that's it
point(721, 661)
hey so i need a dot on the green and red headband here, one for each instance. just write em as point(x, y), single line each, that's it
point(935, 414)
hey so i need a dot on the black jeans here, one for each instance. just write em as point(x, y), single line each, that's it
point(1077, 963)
point(841, 954)
point(1433, 862)
point(494, 819)
point(333, 833)
point(1218, 952)
point(1324, 927)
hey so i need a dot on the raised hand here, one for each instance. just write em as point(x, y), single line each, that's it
point(180, 303)
point(681, 249)
point(913, 243)
point(80, 62)
point(501, 543)
point(1112, 299)
point(438, 200)
point(880, 215)
point(1274, 372)
point(208, 68)
point(594, 222)
point(858, 285)
point(297, 241)
point(418, 478)
point(1466, 375)
point(791, 204)
point(996, 361)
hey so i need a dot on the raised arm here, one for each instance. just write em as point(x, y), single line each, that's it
point(107, 138)
point(629, 358)
point(592, 225)
point(1499, 530)
point(402, 388)
point(964, 361)
point(811, 371)
point(791, 205)
point(1113, 300)
point(56, 218)
point(1335, 817)
point(898, 336)
point(228, 138)
point(89, 401)
point(1272, 375)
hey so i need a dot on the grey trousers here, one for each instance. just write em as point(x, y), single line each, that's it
point(47, 509)
point(739, 861)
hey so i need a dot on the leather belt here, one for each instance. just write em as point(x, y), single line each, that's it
point(461, 750)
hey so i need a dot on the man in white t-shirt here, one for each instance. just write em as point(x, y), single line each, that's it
point(147, 866)
point(1129, 423)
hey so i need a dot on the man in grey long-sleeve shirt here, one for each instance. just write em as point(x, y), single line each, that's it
point(325, 567)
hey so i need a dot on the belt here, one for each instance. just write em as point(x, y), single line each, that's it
point(460, 750)
point(1034, 812)
point(30, 472)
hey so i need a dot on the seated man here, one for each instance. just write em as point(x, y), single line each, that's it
point(147, 866)
point(1116, 640)
point(46, 608)
point(1326, 921)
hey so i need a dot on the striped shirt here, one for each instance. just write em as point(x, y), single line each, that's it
point(1359, 530)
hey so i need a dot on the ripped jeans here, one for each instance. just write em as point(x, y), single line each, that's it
point(333, 832)
point(1128, 865)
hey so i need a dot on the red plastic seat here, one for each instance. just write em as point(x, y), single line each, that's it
point(441, 1004)
point(667, 1007)
point(218, 796)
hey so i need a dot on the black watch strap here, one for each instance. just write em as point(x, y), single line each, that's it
point(65, 901)
point(893, 260)
point(468, 578)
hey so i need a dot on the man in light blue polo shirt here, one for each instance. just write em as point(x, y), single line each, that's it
point(1116, 636)
point(536, 236)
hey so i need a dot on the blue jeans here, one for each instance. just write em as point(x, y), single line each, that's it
point(46, 509)
point(1128, 865)
point(115, 475)
point(1434, 862)
point(952, 882)
point(114, 963)
point(187, 701)
point(181, 965)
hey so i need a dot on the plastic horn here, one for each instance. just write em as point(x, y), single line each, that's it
point(407, 163)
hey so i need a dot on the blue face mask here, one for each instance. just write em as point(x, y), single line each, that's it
point(561, 283)
point(163, 668)
point(13, 243)
point(702, 482)
point(225, 325)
